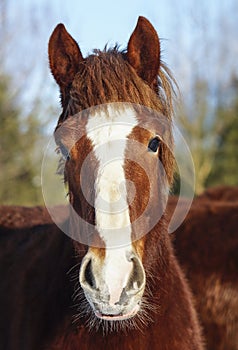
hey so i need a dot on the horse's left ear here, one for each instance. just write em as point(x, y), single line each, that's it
point(143, 51)
point(64, 56)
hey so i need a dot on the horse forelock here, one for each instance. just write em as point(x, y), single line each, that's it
point(106, 77)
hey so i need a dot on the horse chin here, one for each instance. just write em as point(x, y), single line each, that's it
point(115, 312)
point(119, 316)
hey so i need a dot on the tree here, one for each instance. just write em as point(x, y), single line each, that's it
point(22, 83)
point(225, 168)
point(18, 139)
point(201, 129)
point(204, 69)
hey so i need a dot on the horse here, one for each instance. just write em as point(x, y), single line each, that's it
point(132, 292)
point(129, 291)
point(206, 246)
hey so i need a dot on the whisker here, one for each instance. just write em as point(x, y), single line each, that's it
point(73, 267)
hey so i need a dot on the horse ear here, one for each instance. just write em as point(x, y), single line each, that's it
point(143, 51)
point(64, 56)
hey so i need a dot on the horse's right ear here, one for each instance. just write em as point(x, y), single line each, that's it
point(64, 56)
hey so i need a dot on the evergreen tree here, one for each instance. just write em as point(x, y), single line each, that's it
point(18, 137)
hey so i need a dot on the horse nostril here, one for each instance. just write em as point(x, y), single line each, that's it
point(88, 275)
point(137, 278)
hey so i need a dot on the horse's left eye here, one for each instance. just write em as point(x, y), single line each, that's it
point(154, 144)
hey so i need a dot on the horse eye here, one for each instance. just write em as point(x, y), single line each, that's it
point(64, 151)
point(154, 144)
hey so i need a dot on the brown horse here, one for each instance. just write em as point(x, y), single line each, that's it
point(206, 245)
point(129, 289)
point(132, 292)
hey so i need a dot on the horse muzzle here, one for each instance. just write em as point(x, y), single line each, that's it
point(113, 286)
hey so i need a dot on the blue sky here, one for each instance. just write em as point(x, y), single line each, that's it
point(99, 22)
point(190, 32)
point(94, 23)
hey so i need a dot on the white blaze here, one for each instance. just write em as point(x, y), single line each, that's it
point(108, 132)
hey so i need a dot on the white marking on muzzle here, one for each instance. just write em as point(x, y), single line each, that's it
point(108, 132)
point(116, 273)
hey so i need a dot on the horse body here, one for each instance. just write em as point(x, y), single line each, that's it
point(206, 245)
point(35, 293)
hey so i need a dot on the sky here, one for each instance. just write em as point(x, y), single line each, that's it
point(95, 23)
point(189, 31)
